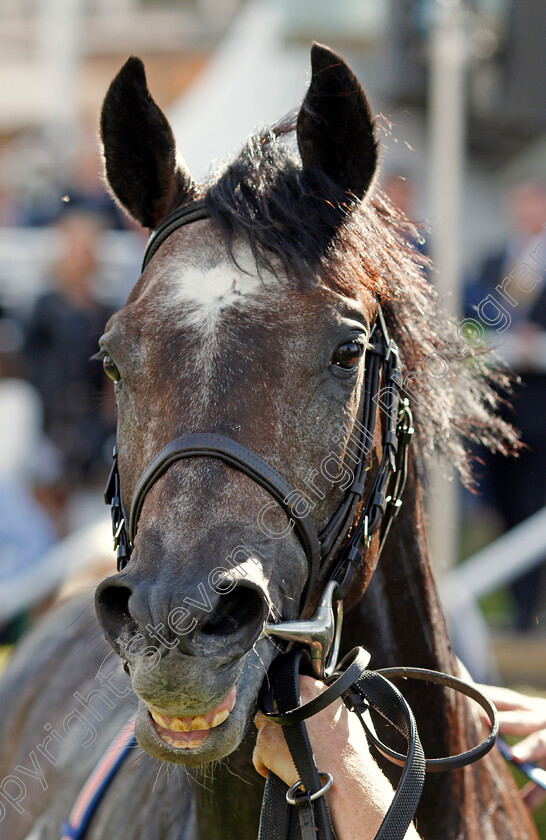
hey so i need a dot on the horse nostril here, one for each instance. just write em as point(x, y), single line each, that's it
point(241, 609)
point(112, 606)
point(238, 615)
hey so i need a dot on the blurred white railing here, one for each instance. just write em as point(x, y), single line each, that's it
point(501, 562)
point(504, 560)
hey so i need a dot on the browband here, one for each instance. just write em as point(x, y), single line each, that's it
point(191, 213)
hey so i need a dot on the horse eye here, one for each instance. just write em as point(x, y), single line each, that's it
point(347, 355)
point(110, 368)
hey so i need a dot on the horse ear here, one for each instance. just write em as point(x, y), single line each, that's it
point(335, 126)
point(139, 149)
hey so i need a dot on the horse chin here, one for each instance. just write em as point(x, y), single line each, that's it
point(201, 746)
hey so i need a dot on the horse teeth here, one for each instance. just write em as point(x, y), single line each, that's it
point(167, 738)
point(159, 719)
point(179, 725)
point(219, 718)
point(174, 724)
point(196, 723)
point(186, 745)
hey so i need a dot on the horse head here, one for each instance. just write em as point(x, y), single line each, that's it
point(250, 324)
point(224, 334)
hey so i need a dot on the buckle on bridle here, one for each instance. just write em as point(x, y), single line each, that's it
point(112, 497)
point(321, 633)
point(305, 795)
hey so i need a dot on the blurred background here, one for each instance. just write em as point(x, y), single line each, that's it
point(459, 90)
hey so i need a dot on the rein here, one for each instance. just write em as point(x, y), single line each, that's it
point(334, 557)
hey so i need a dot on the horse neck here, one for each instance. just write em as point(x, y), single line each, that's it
point(400, 621)
point(228, 802)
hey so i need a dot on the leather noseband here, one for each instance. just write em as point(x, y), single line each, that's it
point(207, 445)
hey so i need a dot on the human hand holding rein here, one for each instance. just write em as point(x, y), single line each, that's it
point(523, 716)
point(360, 794)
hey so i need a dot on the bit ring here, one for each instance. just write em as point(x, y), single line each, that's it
point(305, 795)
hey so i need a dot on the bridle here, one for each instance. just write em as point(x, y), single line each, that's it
point(333, 553)
point(334, 558)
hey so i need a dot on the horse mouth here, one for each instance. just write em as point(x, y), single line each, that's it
point(189, 732)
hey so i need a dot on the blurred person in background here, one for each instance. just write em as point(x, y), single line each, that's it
point(35, 189)
point(513, 278)
point(9, 212)
point(26, 531)
point(62, 335)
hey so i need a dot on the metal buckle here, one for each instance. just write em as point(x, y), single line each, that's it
point(117, 532)
point(366, 534)
point(405, 428)
point(321, 633)
point(305, 796)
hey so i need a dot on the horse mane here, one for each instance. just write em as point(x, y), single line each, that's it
point(300, 220)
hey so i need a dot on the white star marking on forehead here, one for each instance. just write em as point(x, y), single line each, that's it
point(204, 290)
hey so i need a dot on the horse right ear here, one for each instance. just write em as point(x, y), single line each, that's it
point(139, 149)
point(335, 127)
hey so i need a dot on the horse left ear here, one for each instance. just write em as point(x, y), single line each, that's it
point(335, 127)
point(139, 149)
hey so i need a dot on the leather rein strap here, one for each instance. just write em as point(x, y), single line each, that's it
point(361, 690)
